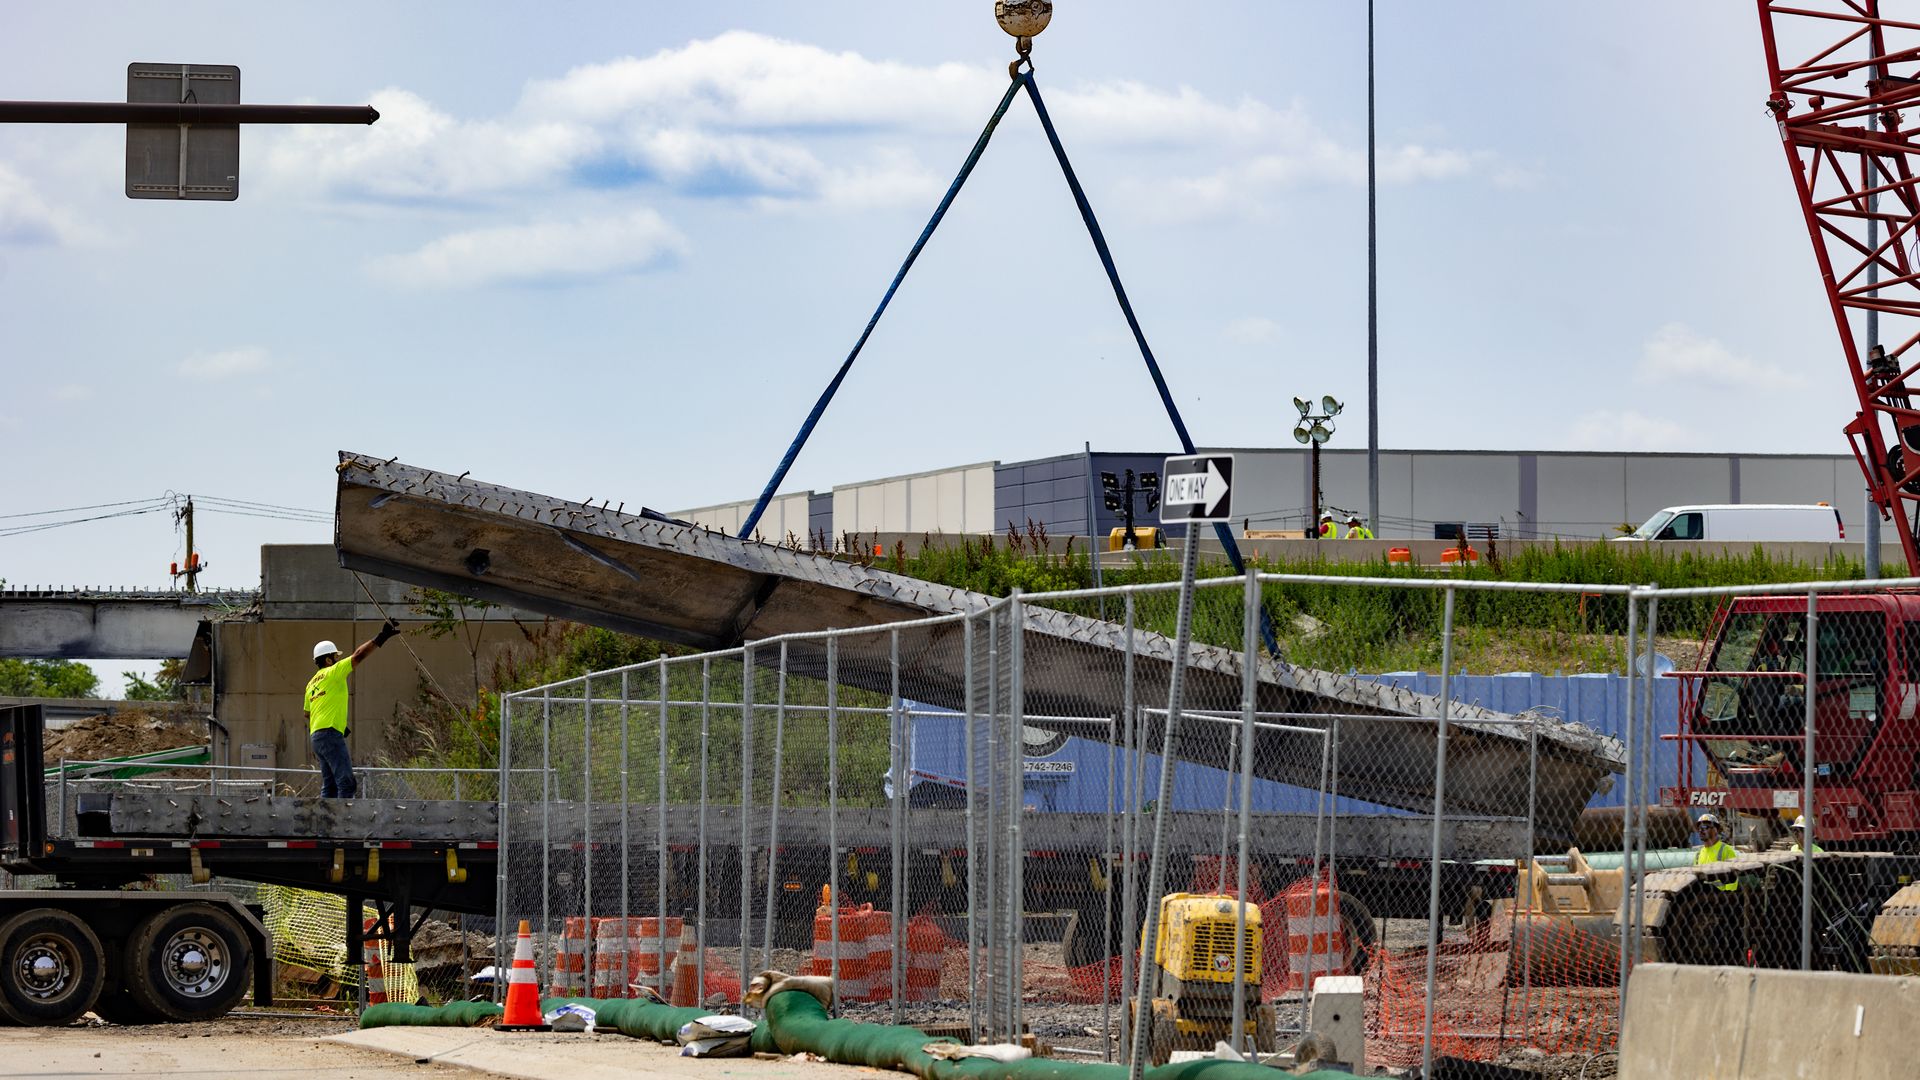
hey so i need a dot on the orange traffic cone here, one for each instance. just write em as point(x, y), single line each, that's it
point(686, 970)
point(523, 991)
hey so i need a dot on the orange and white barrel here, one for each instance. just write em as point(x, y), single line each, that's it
point(847, 964)
point(926, 958)
point(1316, 935)
point(879, 955)
point(570, 959)
point(646, 939)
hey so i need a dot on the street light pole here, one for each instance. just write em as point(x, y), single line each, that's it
point(1313, 430)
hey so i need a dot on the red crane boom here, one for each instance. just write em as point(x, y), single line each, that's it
point(1840, 75)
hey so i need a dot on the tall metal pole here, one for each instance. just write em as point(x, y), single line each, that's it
point(1373, 308)
point(1157, 863)
point(1313, 521)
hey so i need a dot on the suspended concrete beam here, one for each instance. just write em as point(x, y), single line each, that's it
point(669, 580)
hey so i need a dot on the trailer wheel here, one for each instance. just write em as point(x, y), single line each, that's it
point(1358, 923)
point(188, 963)
point(51, 968)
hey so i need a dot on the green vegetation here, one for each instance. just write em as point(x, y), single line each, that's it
point(164, 686)
point(48, 678)
point(1333, 626)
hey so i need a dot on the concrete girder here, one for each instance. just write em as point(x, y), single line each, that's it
point(676, 582)
point(83, 626)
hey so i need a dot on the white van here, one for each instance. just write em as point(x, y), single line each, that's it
point(1745, 523)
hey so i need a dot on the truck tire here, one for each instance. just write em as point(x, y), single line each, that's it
point(1357, 921)
point(51, 968)
point(189, 962)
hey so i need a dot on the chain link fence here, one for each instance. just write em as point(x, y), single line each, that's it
point(977, 822)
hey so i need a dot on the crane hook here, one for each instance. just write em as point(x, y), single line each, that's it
point(1022, 19)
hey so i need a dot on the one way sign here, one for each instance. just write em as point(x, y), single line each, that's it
point(1197, 488)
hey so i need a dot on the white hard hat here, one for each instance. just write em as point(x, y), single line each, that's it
point(1800, 822)
point(1708, 819)
point(1326, 515)
point(325, 648)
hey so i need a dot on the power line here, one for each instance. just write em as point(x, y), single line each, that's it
point(21, 530)
point(81, 509)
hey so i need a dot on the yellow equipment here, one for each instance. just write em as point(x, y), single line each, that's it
point(1193, 961)
point(1142, 538)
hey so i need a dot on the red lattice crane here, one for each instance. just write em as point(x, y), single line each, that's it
point(1844, 79)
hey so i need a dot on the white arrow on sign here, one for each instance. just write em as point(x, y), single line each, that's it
point(1216, 490)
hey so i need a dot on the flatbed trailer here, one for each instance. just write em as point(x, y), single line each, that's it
point(89, 943)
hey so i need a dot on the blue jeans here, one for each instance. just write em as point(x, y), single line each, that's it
point(336, 766)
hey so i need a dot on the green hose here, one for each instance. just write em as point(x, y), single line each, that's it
point(797, 1021)
point(452, 1014)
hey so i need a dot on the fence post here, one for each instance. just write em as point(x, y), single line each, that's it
point(1629, 938)
point(833, 816)
point(746, 816)
point(1156, 864)
point(897, 811)
point(996, 972)
point(626, 822)
point(973, 851)
point(773, 808)
point(586, 830)
point(662, 856)
point(1016, 803)
point(1439, 817)
point(1807, 767)
point(1129, 825)
point(1249, 690)
point(546, 837)
point(501, 961)
point(1649, 636)
point(700, 856)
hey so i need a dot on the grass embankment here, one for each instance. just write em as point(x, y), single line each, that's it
point(1336, 627)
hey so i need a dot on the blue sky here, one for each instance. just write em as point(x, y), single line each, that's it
point(615, 250)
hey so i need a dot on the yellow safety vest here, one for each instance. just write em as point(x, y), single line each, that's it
point(1359, 532)
point(1718, 851)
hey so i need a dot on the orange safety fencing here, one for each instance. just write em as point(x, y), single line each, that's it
point(1536, 982)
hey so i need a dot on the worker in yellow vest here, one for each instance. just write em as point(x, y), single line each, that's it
point(1357, 529)
point(1800, 837)
point(1328, 530)
point(1712, 848)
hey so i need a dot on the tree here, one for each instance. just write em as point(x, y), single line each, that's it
point(47, 678)
point(165, 686)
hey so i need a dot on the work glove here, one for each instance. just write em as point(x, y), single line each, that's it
point(386, 632)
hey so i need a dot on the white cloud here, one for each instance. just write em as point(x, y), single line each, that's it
point(1627, 429)
point(747, 115)
point(1676, 354)
point(27, 218)
point(72, 392)
point(226, 364)
point(541, 252)
point(1252, 330)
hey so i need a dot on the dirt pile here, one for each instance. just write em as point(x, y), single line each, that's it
point(128, 731)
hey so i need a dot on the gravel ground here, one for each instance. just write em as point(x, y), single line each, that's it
point(234, 1048)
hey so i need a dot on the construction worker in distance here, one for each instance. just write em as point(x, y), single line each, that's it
point(1356, 529)
point(1328, 530)
point(326, 712)
point(1800, 837)
point(1712, 848)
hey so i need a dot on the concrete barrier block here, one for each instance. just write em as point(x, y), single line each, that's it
point(1339, 1012)
point(1744, 1024)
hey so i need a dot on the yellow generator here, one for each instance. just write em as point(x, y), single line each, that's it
point(1193, 963)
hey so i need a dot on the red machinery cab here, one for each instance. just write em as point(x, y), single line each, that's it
point(1746, 713)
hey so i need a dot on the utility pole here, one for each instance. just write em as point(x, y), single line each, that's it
point(192, 570)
